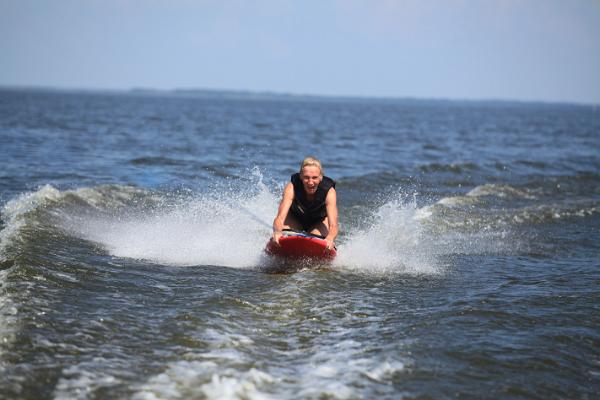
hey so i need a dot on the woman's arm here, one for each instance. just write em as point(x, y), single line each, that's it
point(332, 217)
point(284, 208)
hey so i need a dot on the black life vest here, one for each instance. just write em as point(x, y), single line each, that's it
point(310, 212)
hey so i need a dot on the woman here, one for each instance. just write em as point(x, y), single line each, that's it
point(309, 204)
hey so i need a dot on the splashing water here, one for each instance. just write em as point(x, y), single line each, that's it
point(394, 242)
point(227, 226)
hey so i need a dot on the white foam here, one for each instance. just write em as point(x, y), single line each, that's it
point(226, 370)
point(243, 387)
point(331, 368)
point(473, 197)
point(458, 201)
point(493, 189)
point(385, 370)
point(205, 379)
point(80, 382)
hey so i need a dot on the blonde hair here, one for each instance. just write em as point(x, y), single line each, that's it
point(311, 162)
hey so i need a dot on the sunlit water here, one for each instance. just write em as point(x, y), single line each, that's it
point(133, 229)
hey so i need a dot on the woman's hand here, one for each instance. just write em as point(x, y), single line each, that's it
point(276, 236)
point(330, 243)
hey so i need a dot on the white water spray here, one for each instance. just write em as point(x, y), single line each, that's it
point(393, 243)
point(227, 226)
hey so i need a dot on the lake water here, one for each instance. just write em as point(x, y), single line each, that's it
point(133, 227)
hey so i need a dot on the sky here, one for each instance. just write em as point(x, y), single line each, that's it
point(542, 50)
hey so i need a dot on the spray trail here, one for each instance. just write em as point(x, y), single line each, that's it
point(229, 226)
point(225, 227)
point(393, 243)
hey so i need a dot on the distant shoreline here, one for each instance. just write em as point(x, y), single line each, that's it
point(281, 96)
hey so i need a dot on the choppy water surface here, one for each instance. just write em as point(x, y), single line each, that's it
point(133, 228)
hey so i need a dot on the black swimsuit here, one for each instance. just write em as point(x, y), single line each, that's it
point(310, 213)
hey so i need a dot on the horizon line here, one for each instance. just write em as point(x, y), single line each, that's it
point(272, 94)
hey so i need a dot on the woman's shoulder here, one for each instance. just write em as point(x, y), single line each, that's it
point(328, 182)
point(288, 186)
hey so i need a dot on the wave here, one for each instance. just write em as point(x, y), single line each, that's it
point(8, 318)
point(30, 214)
point(504, 205)
point(229, 225)
point(499, 191)
point(456, 168)
point(159, 161)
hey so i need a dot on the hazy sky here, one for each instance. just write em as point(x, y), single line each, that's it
point(471, 49)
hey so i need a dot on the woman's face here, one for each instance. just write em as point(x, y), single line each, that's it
point(311, 177)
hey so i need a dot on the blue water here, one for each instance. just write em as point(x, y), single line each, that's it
point(133, 227)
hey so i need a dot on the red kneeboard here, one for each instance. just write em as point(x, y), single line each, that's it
point(297, 245)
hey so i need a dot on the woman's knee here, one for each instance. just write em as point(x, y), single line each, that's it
point(321, 228)
point(292, 223)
